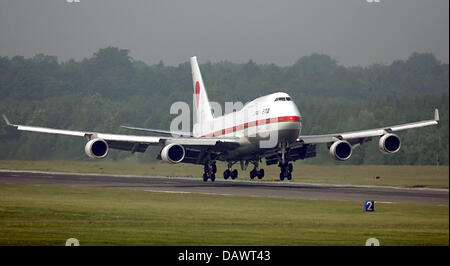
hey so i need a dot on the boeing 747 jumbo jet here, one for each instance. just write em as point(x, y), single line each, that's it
point(268, 127)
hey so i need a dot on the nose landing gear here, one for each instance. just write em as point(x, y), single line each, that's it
point(285, 167)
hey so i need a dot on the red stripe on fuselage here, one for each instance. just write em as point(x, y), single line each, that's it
point(252, 124)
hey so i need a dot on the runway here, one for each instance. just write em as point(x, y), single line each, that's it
point(232, 187)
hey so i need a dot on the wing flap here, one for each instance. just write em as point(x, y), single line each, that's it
point(127, 146)
point(159, 131)
point(318, 138)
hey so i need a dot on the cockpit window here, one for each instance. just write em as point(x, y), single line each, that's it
point(283, 99)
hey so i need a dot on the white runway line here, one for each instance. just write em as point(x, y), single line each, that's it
point(186, 192)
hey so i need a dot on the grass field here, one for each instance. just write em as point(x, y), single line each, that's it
point(406, 176)
point(49, 215)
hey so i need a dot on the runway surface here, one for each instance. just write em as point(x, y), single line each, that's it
point(232, 187)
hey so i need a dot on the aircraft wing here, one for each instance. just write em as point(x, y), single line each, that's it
point(359, 137)
point(132, 142)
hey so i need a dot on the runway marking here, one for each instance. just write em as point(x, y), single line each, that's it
point(187, 192)
point(168, 191)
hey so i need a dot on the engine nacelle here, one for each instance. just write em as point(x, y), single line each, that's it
point(96, 148)
point(341, 150)
point(389, 143)
point(173, 153)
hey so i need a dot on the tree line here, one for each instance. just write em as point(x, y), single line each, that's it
point(111, 88)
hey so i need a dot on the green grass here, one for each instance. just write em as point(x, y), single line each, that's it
point(49, 215)
point(405, 176)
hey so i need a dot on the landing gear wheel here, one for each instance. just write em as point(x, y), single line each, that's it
point(214, 168)
point(285, 171)
point(260, 173)
point(226, 174)
point(290, 168)
point(209, 170)
point(234, 174)
point(289, 176)
point(253, 173)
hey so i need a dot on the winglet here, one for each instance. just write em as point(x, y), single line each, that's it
point(6, 120)
point(436, 115)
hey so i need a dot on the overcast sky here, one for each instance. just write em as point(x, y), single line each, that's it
point(354, 32)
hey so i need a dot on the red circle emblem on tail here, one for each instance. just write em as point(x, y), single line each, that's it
point(197, 92)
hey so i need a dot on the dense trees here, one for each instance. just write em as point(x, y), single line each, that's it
point(111, 89)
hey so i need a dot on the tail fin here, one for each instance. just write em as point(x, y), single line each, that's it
point(202, 106)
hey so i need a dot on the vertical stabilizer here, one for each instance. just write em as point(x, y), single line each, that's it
point(201, 102)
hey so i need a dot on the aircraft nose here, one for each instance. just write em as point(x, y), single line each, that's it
point(292, 127)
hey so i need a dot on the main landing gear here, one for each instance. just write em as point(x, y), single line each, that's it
point(255, 172)
point(209, 171)
point(285, 171)
point(230, 173)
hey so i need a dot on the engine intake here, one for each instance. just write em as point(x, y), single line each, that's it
point(389, 144)
point(96, 148)
point(341, 150)
point(173, 153)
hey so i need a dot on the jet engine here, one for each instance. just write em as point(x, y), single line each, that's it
point(173, 153)
point(341, 150)
point(96, 148)
point(389, 144)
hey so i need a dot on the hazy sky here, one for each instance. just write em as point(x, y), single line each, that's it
point(354, 32)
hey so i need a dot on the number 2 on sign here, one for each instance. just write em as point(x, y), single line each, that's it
point(369, 206)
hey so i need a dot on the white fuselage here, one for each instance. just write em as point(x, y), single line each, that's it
point(264, 123)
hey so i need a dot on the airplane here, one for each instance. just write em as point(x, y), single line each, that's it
point(268, 127)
